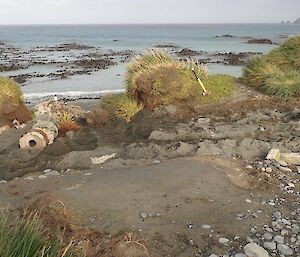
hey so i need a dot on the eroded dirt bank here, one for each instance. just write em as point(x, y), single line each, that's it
point(183, 187)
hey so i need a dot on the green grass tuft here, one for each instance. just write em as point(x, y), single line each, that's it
point(9, 91)
point(26, 237)
point(152, 61)
point(120, 105)
point(287, 56)
point(257, 71)
point(276, 73)
point(219, 86)
point(283, 84)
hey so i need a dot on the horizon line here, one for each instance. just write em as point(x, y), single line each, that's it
point(185, 23)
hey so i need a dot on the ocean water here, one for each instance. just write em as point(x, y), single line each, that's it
point(139, 38)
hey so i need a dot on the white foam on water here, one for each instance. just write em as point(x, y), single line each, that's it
point(69, 95)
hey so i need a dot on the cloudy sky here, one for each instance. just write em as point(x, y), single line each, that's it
point(146, 11)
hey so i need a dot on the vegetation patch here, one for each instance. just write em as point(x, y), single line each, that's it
point(218, 86)
point(11, 102)
point(26, 237)
point(157, 78)
point(120, 106)
point(67, 122)
point(9, 91)
point(276, 73)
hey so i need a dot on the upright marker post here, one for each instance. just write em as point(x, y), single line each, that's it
point(205, 92)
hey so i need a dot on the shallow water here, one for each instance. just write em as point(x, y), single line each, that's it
point(138, 38)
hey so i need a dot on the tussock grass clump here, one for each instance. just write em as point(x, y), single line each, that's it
point(283, 84)
point(9, 91)
point(120, 106)
point(157, 78)
point(276, 73)
point(257, 71)
point(26, 237)
point(67, 122)
point(287, 56)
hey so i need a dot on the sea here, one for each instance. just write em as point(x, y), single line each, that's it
point(138, 38)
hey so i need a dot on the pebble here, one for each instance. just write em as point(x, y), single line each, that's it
point(224, 240)
point(42, 176)
point(29, 178)
point(284, 249)
point(206, 226)
point(270, 246)
point(3, 181)
point(269, 170)
point(156, 162)
point(249, 167)
point(47, 170)
point(254, 250)
point(277, 215)
point(268, 236)
point(283, 163)
point(240, 255)
point(248, 201)
point(213, 255)
point(88, 174)
point(279, 239)
point(286, 169)
point(144, 215)
point(53, 173)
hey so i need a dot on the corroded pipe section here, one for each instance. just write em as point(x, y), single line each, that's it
point(42, 134)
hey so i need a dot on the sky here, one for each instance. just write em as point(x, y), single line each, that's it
point(147, 11)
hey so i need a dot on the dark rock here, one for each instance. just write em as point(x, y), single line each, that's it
point(260, 41)
point(187, 52)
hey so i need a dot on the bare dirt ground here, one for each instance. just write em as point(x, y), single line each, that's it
point(178, 207)
point(150, 201)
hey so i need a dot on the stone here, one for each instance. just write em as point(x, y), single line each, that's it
point(291, 158)
point(269, 170)
point(254, 250)
point(274, 154)
point(224, 240)
point(285, 169)
point(282, 163)
point(53, 173)
point(240, 255)
point(270, 246)
point(213, 255)
point(42, 176)
point(279, 239)
point(157, 135)
point(284, 249)
point(184, 149)
point(268, 236)
point(206, 226)
point(144, 215)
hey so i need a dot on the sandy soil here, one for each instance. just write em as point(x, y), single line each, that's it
point(182, 195)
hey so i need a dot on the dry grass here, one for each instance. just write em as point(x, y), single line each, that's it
point(120, 106)
point(26, 237)
point(9, 91)
point(67, 123)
